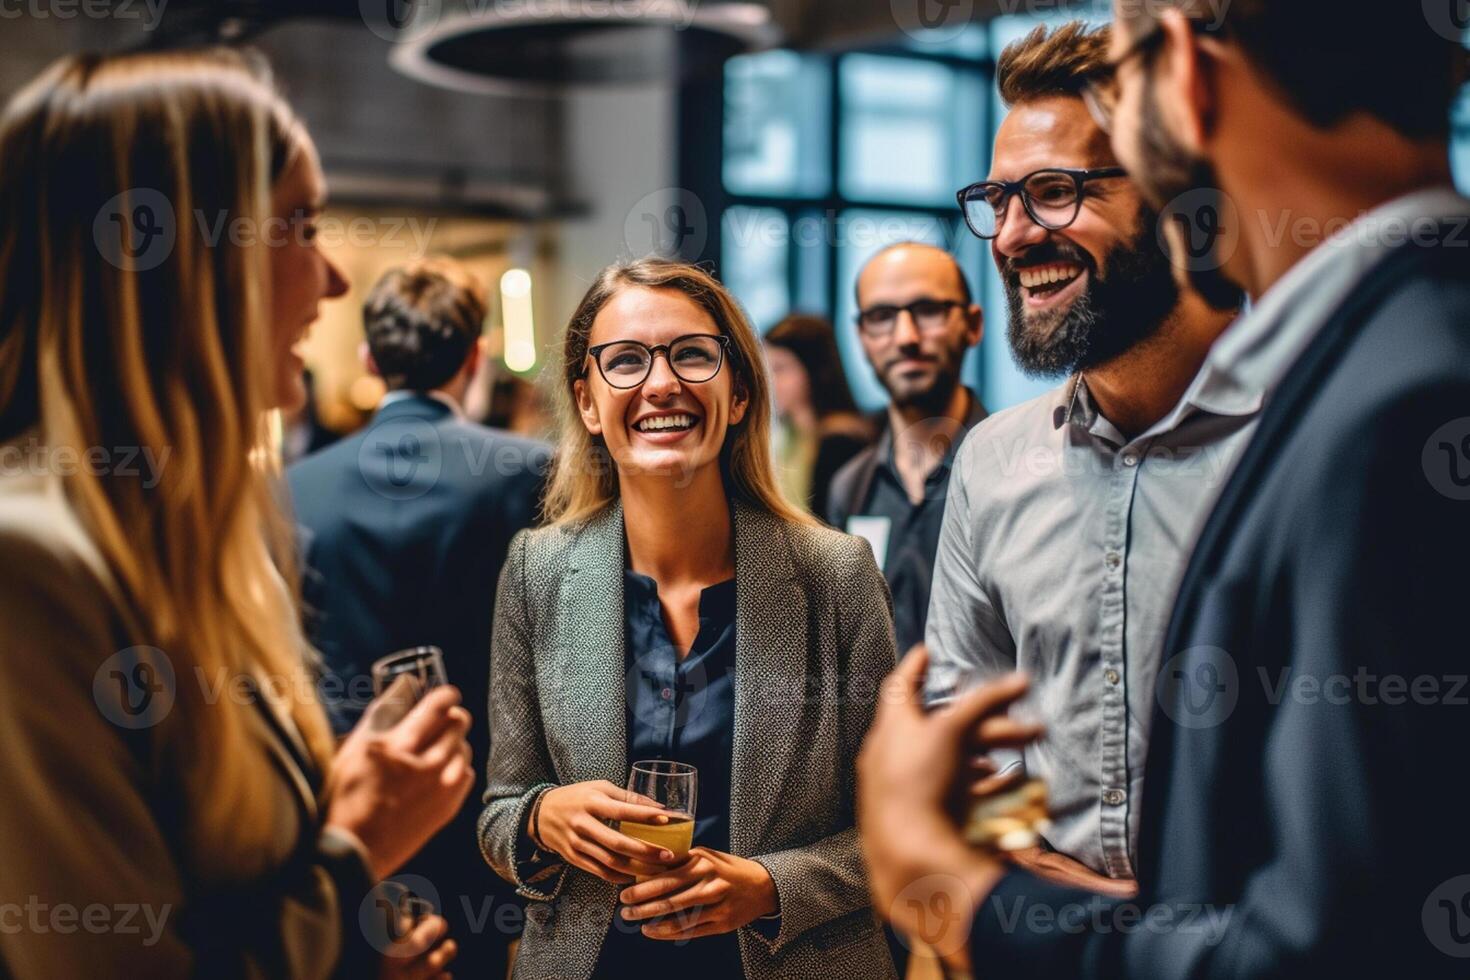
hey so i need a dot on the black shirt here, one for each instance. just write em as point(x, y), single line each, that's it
point(870, 487)
point(683, 711)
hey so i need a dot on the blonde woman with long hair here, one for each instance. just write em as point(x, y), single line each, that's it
point(174, 803)
point(680, 609)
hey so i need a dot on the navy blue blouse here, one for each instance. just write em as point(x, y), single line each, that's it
point(682, 711)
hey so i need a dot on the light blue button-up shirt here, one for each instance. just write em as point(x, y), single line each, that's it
point(1061, 551)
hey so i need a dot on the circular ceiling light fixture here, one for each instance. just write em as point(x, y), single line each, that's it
point(521, 47)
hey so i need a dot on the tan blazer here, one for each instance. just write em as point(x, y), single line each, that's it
point(813, 640)
point(92, 856)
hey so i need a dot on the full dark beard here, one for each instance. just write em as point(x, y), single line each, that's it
point(1172, 172)
point(1123, 306)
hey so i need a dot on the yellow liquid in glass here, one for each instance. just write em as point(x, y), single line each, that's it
point(677, 835)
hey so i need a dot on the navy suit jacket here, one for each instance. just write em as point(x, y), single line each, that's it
point(1303, 807)
point(404, 528)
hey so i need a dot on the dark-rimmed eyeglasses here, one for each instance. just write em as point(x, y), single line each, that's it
point(1100, 92)
point(928, 315)
point(1052, 197)
point(694, 358)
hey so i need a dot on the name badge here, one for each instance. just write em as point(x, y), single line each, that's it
point(873, 530)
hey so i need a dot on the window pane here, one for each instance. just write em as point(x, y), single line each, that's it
point(777, 142)
point(1460, 148)
point(755, 244)
point(910, 129)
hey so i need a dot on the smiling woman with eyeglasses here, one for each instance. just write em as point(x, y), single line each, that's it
point(680, 609)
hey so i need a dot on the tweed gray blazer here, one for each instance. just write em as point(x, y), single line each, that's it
point(813, 640)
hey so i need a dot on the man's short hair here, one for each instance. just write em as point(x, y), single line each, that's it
point(1056, 62)
point(421, 321)
point(1330, 58)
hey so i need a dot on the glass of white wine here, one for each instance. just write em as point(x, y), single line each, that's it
point(675, 787)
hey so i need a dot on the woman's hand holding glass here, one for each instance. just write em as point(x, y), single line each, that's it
point(571, 822)
point(400, 777)
point(710, 893)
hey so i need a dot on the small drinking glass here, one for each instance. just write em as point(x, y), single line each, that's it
point(673, 786)
point(425, 665)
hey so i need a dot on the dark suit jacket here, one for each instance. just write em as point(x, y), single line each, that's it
point(1299, 821)
point(405, 526)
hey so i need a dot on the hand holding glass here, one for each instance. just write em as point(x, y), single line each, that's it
point(675, 787)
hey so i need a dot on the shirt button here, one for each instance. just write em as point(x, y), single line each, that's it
point(1111, 675)
point(666, 694)
point(1112, 559)
point(1130, 459)
point(1114, 797)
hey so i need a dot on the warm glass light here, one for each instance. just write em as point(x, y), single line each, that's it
point(520, 329)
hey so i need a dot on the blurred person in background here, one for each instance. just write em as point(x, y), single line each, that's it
point(916, 321)
point(1070, 516)
point(1299, 816)
point(405, 527)
point(819, 428)
point(680, 608)
point(166, 757)
point(302, 431)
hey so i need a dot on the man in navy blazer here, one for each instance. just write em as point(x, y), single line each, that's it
point(404, 527)
point(1303, 798)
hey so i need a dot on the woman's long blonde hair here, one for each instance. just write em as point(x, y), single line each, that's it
point(108, 341)
point(585, 480)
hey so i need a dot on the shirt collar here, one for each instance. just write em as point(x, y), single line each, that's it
point(1257, 350)
point(402, 394)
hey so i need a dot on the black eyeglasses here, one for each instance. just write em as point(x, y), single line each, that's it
point(1052, 197)
point(1100, 92)
point(928, 315)
point(694, 358)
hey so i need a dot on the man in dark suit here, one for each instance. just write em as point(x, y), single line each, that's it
point(405, 526)
point(1303, 806)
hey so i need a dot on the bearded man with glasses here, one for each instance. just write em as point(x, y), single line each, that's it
point(1069, 517)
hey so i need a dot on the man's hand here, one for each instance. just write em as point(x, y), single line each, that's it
point(1070, 872)
point(925, 879)
point(711, 893)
